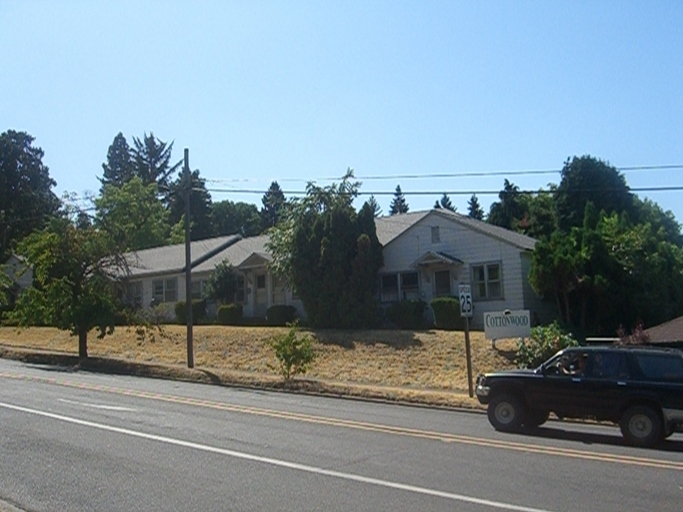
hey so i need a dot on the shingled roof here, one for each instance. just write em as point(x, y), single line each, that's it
point(668, 332)
point(170, 259)
point(391, 227)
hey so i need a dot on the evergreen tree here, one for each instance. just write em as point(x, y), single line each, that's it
point(152, 163)
point(27, 202)
point(398, 203)
point(200, 206)
point(331, 255)
point(376, 210)
point(510, 209)
point(118, 168)
point(274, 203)
point(474, 209)
point(445, 203)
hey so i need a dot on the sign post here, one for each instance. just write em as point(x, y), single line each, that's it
point(465, 297)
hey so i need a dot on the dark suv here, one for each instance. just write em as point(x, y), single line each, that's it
point(640, 388)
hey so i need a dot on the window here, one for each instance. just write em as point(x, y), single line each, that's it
point(198, 289)
point(410, 289)
point(442, 282)
point(261, 281)
point(389, 288)
point(661, 367)
point(609, 365)
point(134, 294)
point(165, 290)
point(487, 281)
point(240, 294)
point(436, 236)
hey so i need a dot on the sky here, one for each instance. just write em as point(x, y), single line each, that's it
point(434, 96)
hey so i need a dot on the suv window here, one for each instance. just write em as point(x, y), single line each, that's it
point(609, 365)
point(661, 366)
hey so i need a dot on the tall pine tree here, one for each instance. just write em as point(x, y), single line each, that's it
point(118, 169)
point(398, 203)
point(474, 209)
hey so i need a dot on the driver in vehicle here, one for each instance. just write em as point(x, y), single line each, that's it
point(575, 367)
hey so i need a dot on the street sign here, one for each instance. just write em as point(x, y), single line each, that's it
point(465, 297)
point(507, 324)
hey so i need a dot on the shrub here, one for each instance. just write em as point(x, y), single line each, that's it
point(545, 341)
point(198, 311)
point(294, 353)
point(281, 314)
point(229, 314)
point(407, 314)
point(447, 314)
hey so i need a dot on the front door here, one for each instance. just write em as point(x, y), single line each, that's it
point(261, 296)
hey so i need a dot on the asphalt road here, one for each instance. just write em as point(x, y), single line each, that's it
point(76, 441)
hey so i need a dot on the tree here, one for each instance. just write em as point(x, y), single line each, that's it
point(236, 218)
point(274, 203)
point(474, 209)
point(588, 179)
point(509, 210)
point(72, 287)
point(445, 203)
point(222, 283)
point(152, 163)
point(398, 203)
point(26, 198)
point(376, 210)
point(330, 254)
point(132, 215)
point(118, 168)
point(200, 206)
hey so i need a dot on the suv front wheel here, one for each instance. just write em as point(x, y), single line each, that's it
point(506, 413)
point(641, 426)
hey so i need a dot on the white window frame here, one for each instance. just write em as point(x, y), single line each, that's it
point(482, 287)
point(168, 288)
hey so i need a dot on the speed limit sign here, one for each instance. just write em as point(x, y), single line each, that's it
point(465, 296)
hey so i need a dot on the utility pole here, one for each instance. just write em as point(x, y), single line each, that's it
point(187, 177)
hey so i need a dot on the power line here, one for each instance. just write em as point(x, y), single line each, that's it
point(455, 192)
point(466, 174)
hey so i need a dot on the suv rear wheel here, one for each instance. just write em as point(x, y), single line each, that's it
point(641, 426)
point(506, 413)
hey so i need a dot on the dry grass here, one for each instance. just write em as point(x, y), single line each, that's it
point(423, 366)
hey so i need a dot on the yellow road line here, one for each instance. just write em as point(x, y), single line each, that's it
point(361, 425)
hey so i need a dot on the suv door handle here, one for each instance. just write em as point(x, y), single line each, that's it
point(621, 383)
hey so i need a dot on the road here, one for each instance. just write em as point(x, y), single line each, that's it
point(77, 441)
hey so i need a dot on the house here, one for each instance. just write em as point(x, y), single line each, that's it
point(22, 277)
point(427, 254)
point(157, 276)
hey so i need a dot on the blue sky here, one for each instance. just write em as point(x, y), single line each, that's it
point(298, 91)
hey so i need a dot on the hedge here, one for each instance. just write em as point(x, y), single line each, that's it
point(198, 311)
point(447, 314)
point(229, 314)
point(407, 314)
point(280, 314)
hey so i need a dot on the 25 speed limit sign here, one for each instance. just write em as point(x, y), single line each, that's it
point(465, 295)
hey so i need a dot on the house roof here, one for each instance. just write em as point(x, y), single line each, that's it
point(671, 331)
point(171, 258)
point(391, 227)
point(206, 254)
point(237, 253)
